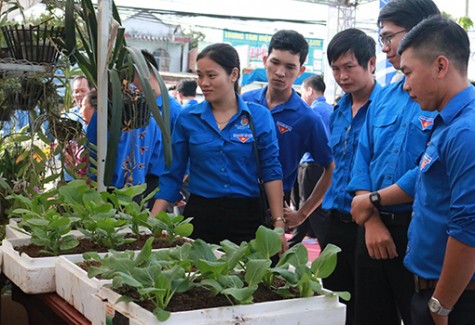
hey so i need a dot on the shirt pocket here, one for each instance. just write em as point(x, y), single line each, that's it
point(242, 146)
point(202, 144)
point(384, 131)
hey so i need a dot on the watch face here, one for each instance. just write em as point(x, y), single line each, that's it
point(434, 305)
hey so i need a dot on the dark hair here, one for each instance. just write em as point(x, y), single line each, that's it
point(407, 13)
point(354, 41)
point(439, 36)
point(187, 87)
point(289, 40)
point(150, 58)
point(92, 96)
point(316, 83)
point(225, 55)
point(89, 84)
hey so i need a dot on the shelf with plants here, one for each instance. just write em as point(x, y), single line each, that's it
point(102, 221)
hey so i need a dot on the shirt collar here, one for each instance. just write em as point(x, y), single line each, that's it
point(204, 107)
point(457, 104)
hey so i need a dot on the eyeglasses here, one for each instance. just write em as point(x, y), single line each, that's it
point(386, 39)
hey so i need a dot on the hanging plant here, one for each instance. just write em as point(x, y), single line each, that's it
point(23, 93)
point(36, 44)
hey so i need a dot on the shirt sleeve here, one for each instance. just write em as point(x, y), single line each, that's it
point(153, 167)
point(361, 178)
point(408, 181)
point(269, 151)
point(460, 160)
point(172, 180)
point(319, 142)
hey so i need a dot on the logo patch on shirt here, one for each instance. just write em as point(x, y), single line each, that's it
point(283, 128)
point(426, 159)
point(244, 121)
point(242, 137)
point(426, 121)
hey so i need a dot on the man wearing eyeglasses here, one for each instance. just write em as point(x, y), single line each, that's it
point(391, 141)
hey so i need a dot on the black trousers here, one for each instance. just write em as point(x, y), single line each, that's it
point(383, 288)
point(463, 312)
point(308, 176)
point(342, 234)
point(224, 218)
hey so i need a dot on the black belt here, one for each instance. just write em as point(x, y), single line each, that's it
point(343, 217)
point(425, 284)
point(306, 164)
point(396, 218)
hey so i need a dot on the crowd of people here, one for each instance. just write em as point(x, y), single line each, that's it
point(386, 173)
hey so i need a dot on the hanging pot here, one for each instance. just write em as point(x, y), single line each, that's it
point(36, 44)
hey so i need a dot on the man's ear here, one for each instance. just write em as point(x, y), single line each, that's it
point(442, 66)
point(302, 70)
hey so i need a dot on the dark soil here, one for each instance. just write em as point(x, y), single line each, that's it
point(200, 298)
point(87, 245)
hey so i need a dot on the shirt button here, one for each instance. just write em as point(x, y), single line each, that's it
point(226, 185)
point(223, 169)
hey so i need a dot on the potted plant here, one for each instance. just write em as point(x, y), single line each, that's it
point(103, 220)
point(231, 280)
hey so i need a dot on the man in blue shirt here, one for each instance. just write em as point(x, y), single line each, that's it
point(186, 92)
point(299, 129)
point(140, 157)
point(441, 248)
point(351, 56)
point(391, 141)
point(309, 172)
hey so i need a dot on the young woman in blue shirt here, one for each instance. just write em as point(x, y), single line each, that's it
point(216, 138)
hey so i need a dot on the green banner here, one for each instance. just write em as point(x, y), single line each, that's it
point(258, 47)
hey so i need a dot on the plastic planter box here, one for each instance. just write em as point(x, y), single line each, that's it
point(31, 275)
point(319, 310)
point(74, 286)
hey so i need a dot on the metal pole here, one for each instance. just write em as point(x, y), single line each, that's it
point(104, 23)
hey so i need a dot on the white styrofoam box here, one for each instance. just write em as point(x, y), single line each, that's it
point(319, 310)
point(12, 232)
point(74, 286)
point(31, 275)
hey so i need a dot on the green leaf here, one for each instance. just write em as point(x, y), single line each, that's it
point(325, 263)
point(267, 242)
point(242, 295)
point(184, 230)
point(255, 271)
point(162, 315)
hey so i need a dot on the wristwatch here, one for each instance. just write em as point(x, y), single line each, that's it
point(375, 199)
point(436, 308)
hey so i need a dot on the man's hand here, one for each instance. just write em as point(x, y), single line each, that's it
point(440, 320)
point(293, 218)
point(361, 208)
point(378, 239)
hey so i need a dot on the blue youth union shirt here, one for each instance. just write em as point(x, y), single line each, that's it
point(445, 189)
point(345, 130)
point(299, 130)
point(391, 142)
point(221, 163)
point(322, 108)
